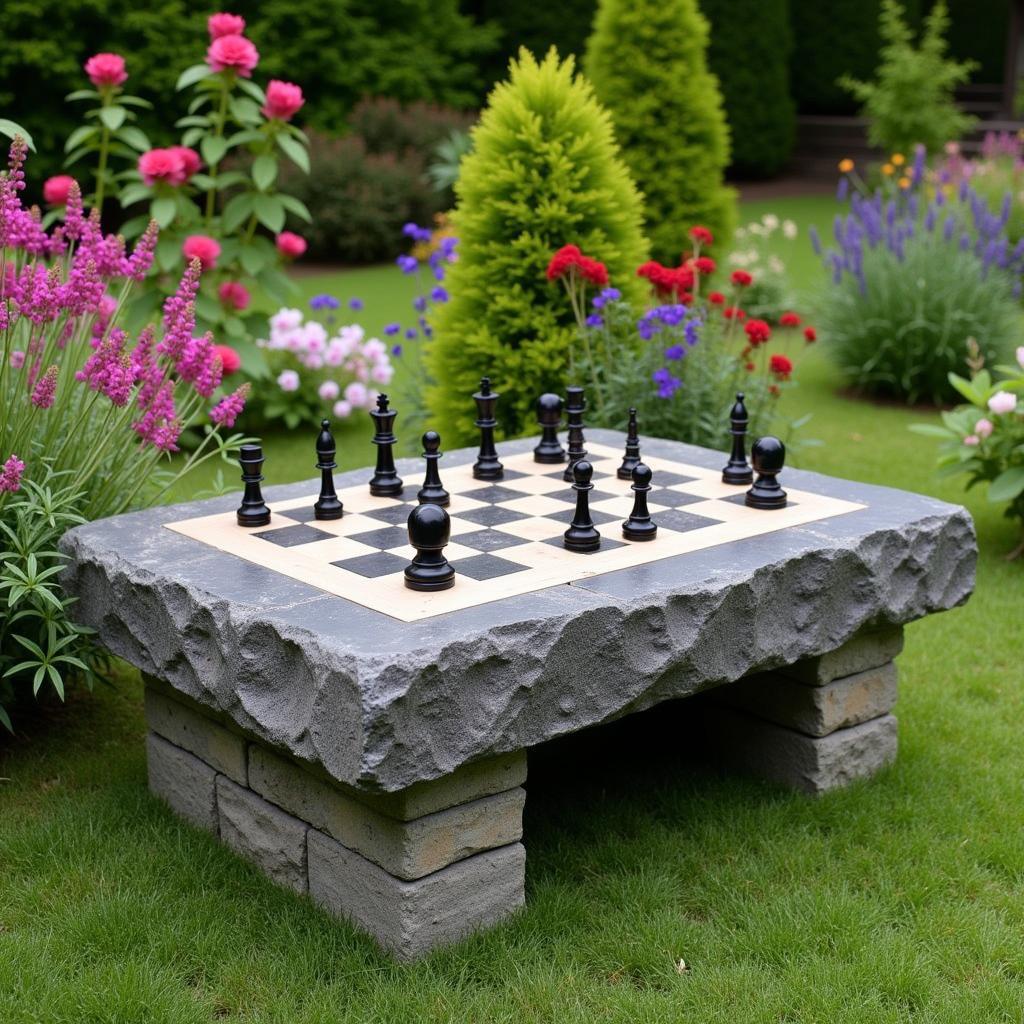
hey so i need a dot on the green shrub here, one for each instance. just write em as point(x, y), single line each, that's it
point(758, 106)
point(647, 62)
point(911, 97)
point(544, 171)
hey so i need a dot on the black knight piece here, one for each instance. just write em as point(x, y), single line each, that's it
point(385, 482)
point(328, 505)
point(738, 471)
point(253, 510)
point(768, 456)
point(549, 419)
point(639, 525)
point(632, 457)
point(574, 407)
point(429, 531)
point(582, 535)
point(487, 466)
point(432, 491)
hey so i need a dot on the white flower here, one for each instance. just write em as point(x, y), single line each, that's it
point(382, 373)
point(1002, 401)
point(770, 221)
point(789, 229)
point(776, 265)
point(356, 394)
point(329, 390)
point(288, 380)
point(342, 409)
point(740, 234)
point(285, 320)
point(374, 349)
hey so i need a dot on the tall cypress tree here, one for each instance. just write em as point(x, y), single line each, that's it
point(544, 172)
point(647, 60)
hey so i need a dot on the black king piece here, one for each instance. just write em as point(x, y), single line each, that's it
point(487, 466)
point(574, 406)
point(328, 505)
point(385, 483)
point(738, 470)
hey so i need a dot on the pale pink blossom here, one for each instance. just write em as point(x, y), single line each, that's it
point(983, 428)
point(356, 394)
point(224, 24)
point(971, 440)
point(329, 390)
point(374, 349)
point(342, 409)
point(382, 373)
point(1020, 356)
point(233, 52)
point(106, 69)
point(288, 380)
point(286, 319)
point(1002, 402)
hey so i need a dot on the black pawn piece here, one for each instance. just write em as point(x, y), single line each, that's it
point(582, 534)
point(432, 492)
point(253, 510)
point(385, 483)
point(487, 466)
point(632, 457)
point(328, 505)
point(769, 456)
point(574, 407)
point(549, 419)
point(738, 471)
point(639, 525)
point(429, 531)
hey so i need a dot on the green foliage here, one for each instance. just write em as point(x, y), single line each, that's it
point(758, 105)
point(647, 62)
point(911, 100)
point(544, 172)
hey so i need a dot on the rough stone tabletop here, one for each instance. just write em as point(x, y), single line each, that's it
point(381, 704)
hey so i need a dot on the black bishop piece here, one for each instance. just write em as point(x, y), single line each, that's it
point(574, 407)
point(639, 525)
point(769, 456)
point(328, 505)
point(632, 457)
point(549, 419)
point(253, 510)
point(582, 535)
point(432, 491)
point(429, 532)
point(487, 466)
point(738, 471)
point(385, 482)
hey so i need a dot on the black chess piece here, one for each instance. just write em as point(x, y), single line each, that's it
point(632, 457)
point(582, 535)
point(574, 407)
point(253, 510)
point(768, 456)
point(738, 471)
point(429, 531)
point(549, 419)
point(487, 466)
point(639, 525)
point(385, 483)
point(328, 505)
point(432, 491)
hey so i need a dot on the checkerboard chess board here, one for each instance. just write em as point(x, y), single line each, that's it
point(506, 536)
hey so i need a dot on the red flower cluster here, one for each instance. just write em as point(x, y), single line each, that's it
point(668, 280)
point(734, 311)
point(704, 265)
point(781, 366)
point(789, 320)
point(810, 334)
point(569, 258)
point(716, 298)
point(701, 235)
point(741, 278)
point(758, 331)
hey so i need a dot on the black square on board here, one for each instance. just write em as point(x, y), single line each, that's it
point(741, 499)
point(672, 499)
point(384, 538)
point(569, 496)
point(396, 515)
point(559, 474)
point(299, 515)
point(488, 540)
point(495, 494)
point(607, 543)
point(596, 515)
point(492, 515)
point(380, 563)
point(486, 567)
point(682, 522)
point(293, 536)
point(662, 479)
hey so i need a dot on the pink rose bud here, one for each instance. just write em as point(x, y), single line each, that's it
point(164, 165)
point(972, 440)
point(283, 100)
point(224, 24)
point(983, 428)
point(233, 53)
point(202, 248)
point(1002, 402)
point(106, 69)
point(56, 189)
point(234, 295)
point(290, 245)
point(230, 360)
point(189, 158)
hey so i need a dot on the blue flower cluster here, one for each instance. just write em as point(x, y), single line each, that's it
point(675, 323)
point(436, 262)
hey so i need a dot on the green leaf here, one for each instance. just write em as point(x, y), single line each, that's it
point(253, 90)
point(254, 258)
point(1008, 485)
point(135, 137)
point(81, 134)
point(163, 210)
point(192, 121)
point(931, 430)
point(192, 136)
point(135, 101)
point(113, 117)
point(203, 182)
point(264, 171)
point(245, 111)
point(299, 208)
point(231, 178)
point(5, 720)
point(295, 152)
point(213, 148)
point(12, 128)
point(209, 309)
point(191, 75)
point(135, 194)
point(967, 389)
point(269, 212)
point(237, 210)
point(248, 135)
point(83, 94)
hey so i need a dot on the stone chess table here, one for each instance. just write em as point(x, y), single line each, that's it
point(370, 751)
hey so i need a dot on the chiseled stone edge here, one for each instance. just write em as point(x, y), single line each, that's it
point(867, 650)
point(184, 782)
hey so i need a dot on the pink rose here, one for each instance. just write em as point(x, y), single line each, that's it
point(1002, 402)
point(230, 360)
point(290, 245)
point(106, 69)
point(162, 165)
point(983, 428)
point(234, 295)
point(224, 24)
point(972, 440)
point(189, 158)
point(283, 100)
point(56, 189)
point(233, 53)
point(202, 248)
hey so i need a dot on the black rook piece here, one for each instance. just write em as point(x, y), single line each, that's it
point(738, 471)
point(768, 455)
point(487, 466)
point(328, 506)
point(253, 511)
point(632, 457)
point(549, 419)
point(432, 492)
point(574, 407)
point(639, 525)
point(582, 535)
point(385, 483)
point(429, 530)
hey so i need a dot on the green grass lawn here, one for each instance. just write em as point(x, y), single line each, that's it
point(897, 900)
